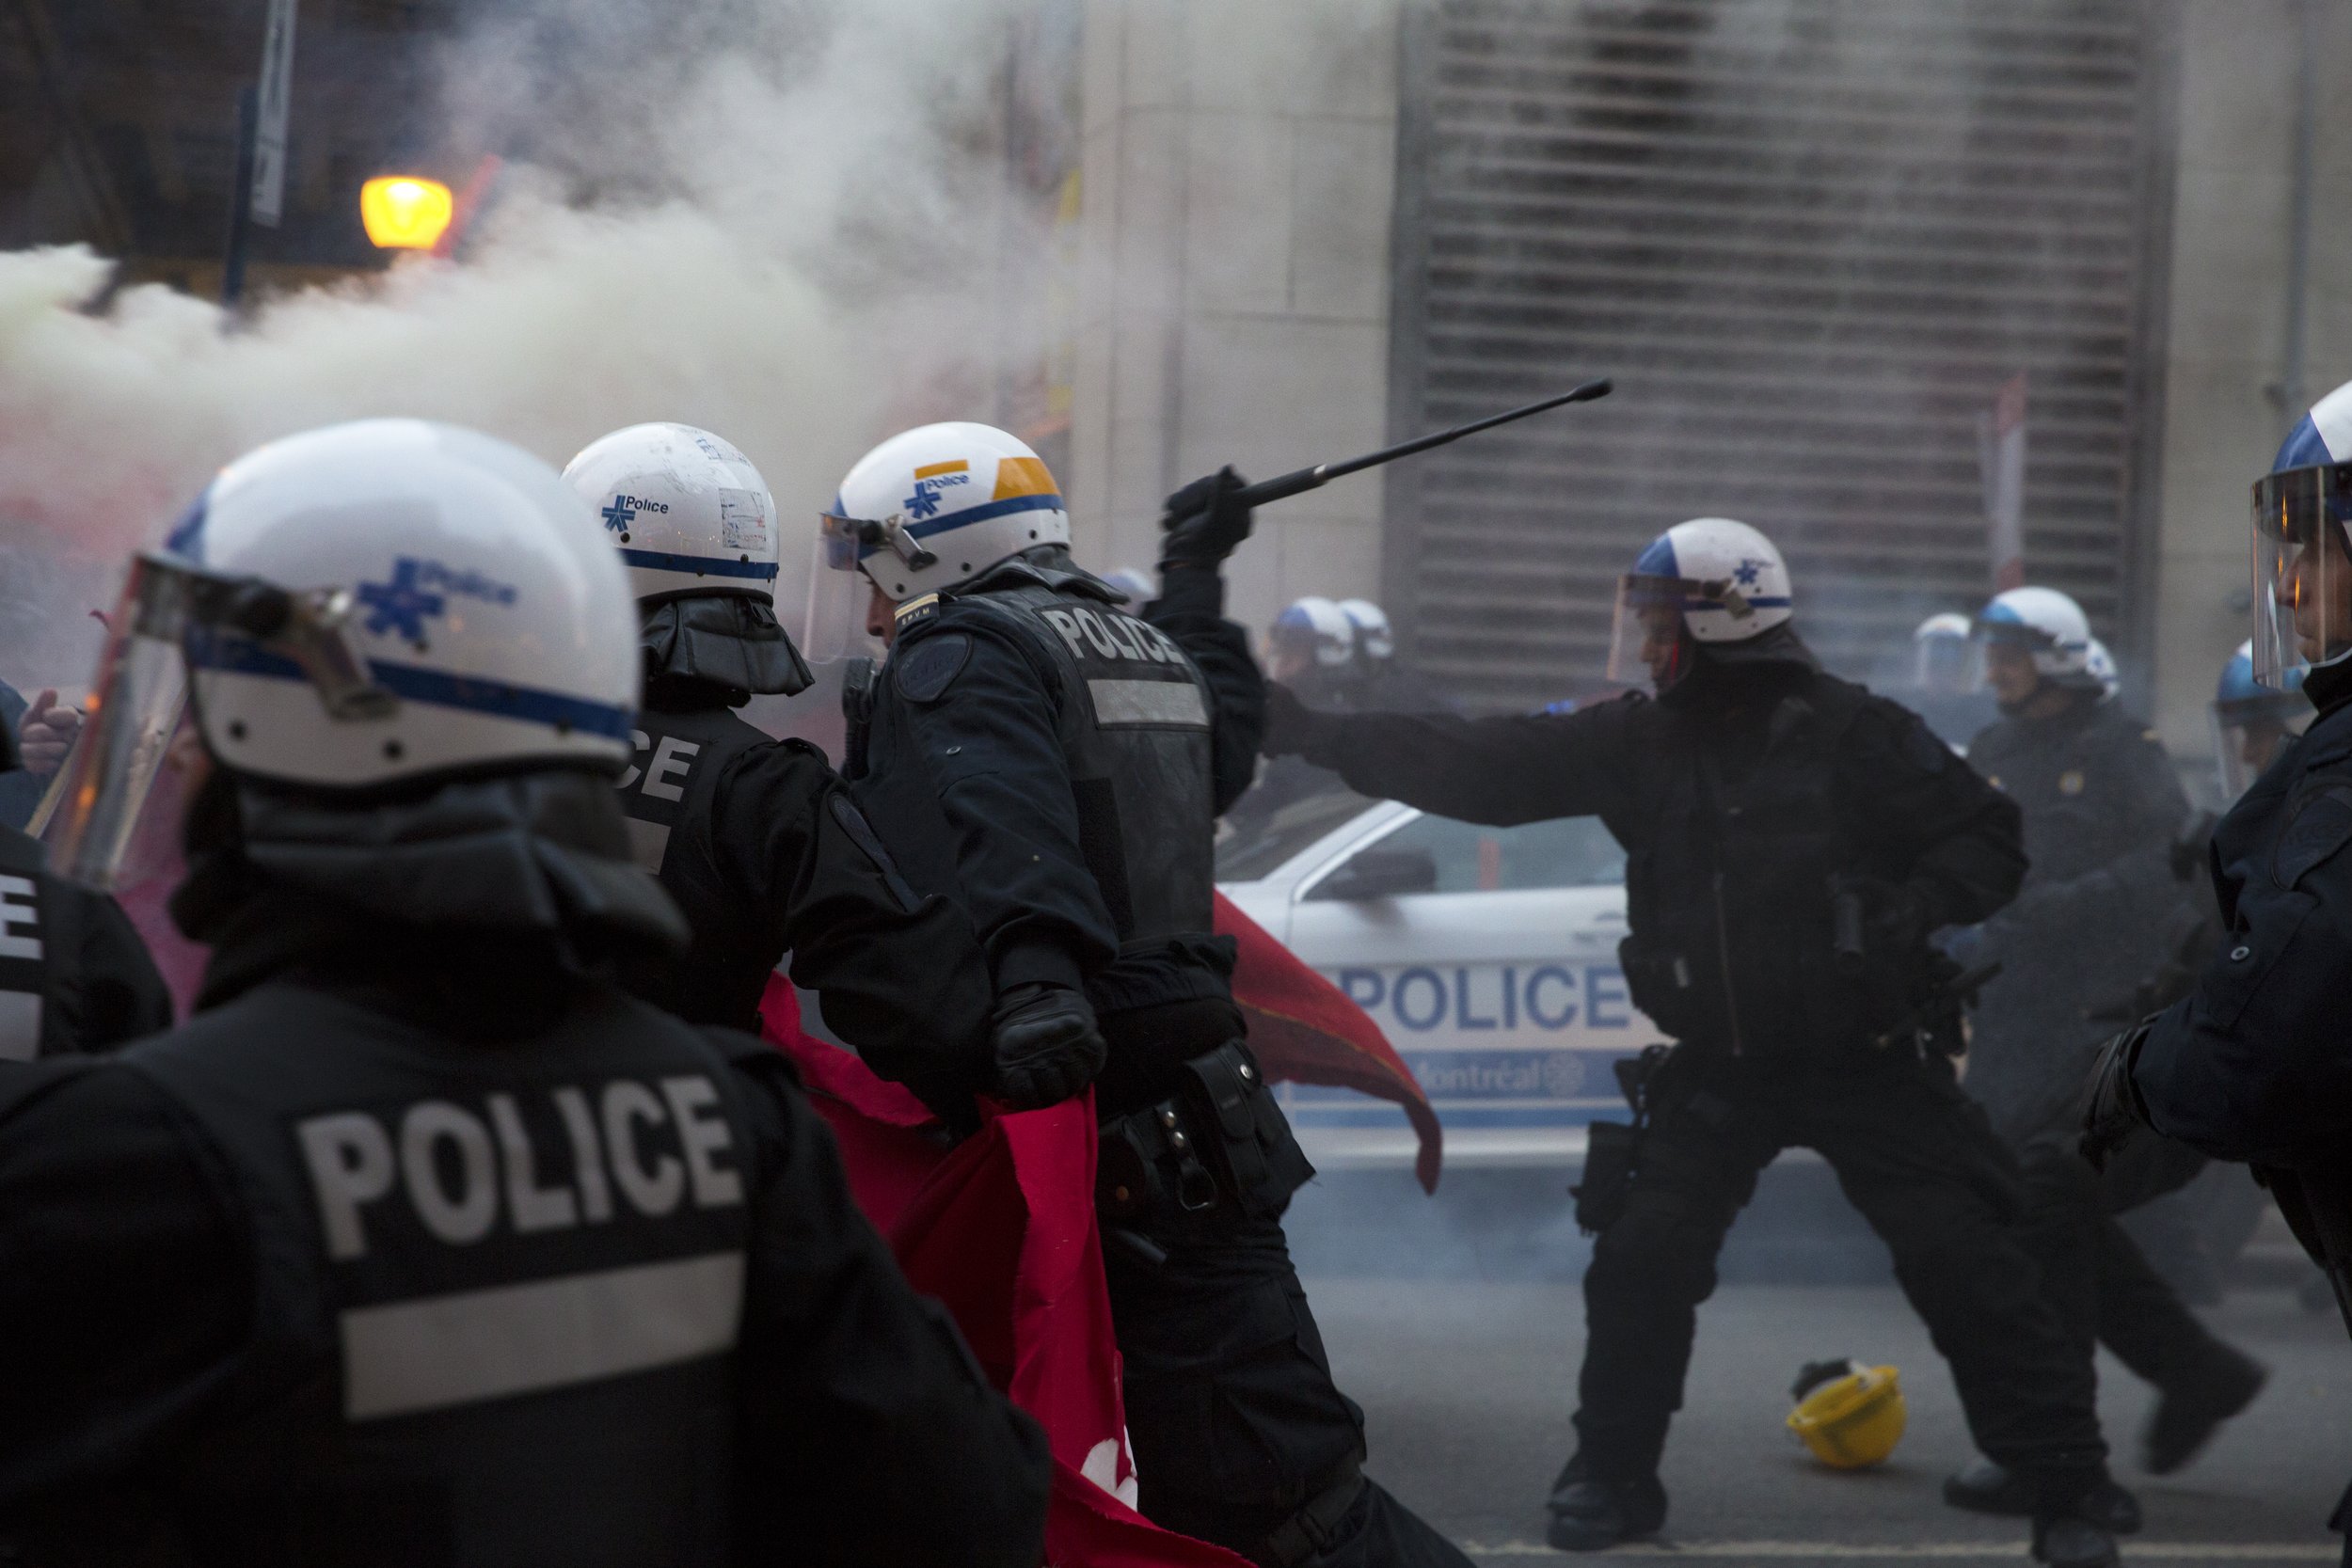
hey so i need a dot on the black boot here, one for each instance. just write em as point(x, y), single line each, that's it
point(2071, 1541)
point(2188, 1415)
point(1986, 1487)
point(1589, 1513)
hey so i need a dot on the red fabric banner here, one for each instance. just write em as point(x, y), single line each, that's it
point(1305, 1030)
point(1000, 1228)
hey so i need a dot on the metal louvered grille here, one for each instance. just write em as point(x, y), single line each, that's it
point(1810, 239)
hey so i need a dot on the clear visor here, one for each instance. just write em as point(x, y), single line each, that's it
point(2302, 587)
point(832, 627)
point(1949, 666)
point(1646, 641)
point(169, 609)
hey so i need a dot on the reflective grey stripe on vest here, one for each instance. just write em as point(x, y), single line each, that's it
point(22, 967)
point(647, 842)
point(473, 1345)
point(1118, 703)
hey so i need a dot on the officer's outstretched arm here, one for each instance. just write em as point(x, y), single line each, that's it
point(870, 1435)
point(1191, 609)
point(2256, 1063)
point(902, 977)
point(1501, 771)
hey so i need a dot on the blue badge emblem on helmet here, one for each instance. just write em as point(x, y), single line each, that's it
point(401, 607)
point(418, 592)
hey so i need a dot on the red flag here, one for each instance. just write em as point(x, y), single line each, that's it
point(1000, 1229)
point(1306, 1030)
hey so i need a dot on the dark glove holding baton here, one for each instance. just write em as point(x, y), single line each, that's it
point(2113, 1111)
point(1046, 1045)
point(1206, 521)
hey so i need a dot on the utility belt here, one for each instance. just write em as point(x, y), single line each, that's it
point(1219, 1146)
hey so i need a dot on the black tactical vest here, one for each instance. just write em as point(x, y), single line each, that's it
point(667, 795)
point(1133, 724)
point(498, 1289)
point(1729, 903)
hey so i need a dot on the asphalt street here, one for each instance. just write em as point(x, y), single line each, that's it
point(1467, 1386)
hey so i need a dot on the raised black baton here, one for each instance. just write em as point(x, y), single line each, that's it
point(1302, 480)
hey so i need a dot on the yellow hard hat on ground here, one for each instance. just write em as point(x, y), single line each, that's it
point(1849, 1415)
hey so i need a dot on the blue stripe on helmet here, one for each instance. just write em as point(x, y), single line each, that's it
point(2304, 448)
point(186, 537)
point(983, 513)
point(699, 565)
point(433, 688)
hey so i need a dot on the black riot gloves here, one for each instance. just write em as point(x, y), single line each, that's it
point(1046, 1045)
point(1204, 521)
point(2113, 1111)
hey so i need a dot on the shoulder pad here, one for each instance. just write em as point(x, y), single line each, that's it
point(915, 611)
point(923, 671)
point(2322, 825)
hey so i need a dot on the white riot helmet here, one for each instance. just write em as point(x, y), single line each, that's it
point(2099, 665)
point(2302, 517)
point(2047, 625)
point(369, 604)
point(1719, 580)
point(689, 512)
point(1312, 632)
point(1375, 640)
point(937, 506)
point(1945, 655)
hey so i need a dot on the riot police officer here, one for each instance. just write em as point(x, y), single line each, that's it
point(425, 1243)
point(1060, 764)
point(1793, 840)
point(74, 973)
point(756, 839)
point(2254, 1064)
point(2103, 809)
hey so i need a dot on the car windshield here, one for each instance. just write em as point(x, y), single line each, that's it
point(1256, 844)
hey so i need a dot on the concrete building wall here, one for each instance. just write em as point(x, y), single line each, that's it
point(1238, 164)
point(2225, 408)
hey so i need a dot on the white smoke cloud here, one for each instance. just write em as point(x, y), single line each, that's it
point(777, 241)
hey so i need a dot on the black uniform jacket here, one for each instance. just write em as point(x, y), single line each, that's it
point(2256, 1063)
point(1898, 806)
point(132, 1301)
point(1010, 823)
point(74, 973)
point(770, 855)
point(2103, 808)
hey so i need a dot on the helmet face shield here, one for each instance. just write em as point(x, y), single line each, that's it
point(1647, 638)
point(172, 612)
point(1952, 665)
point(2302, 584)
point(832, 624)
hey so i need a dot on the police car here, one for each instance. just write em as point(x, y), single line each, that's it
point(1488, 956)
